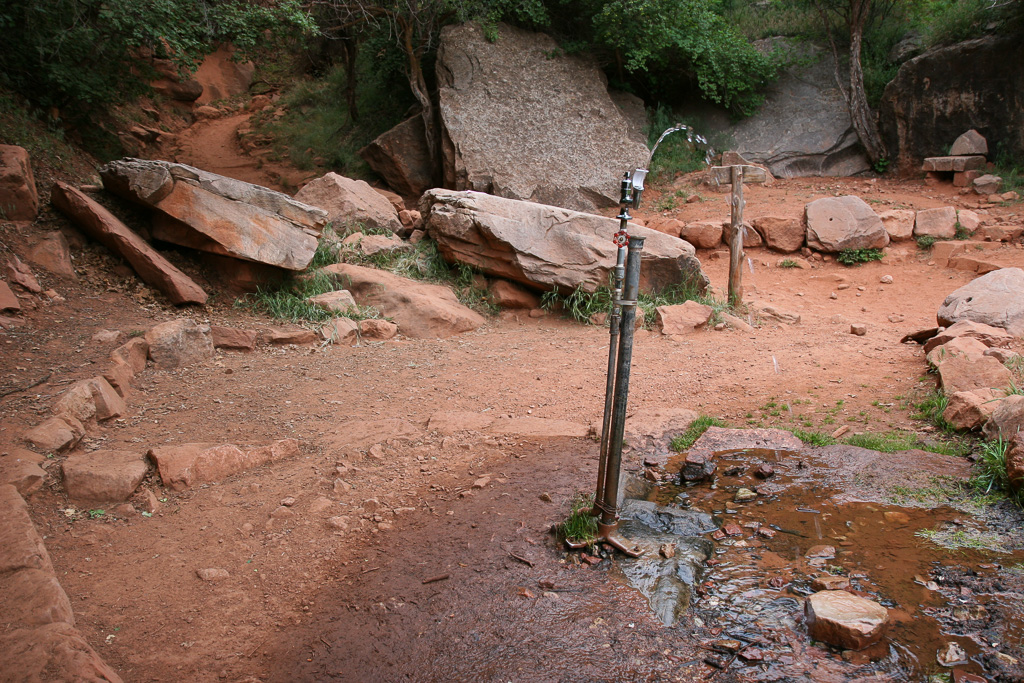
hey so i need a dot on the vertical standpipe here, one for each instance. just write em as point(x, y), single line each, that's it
point(609, 513)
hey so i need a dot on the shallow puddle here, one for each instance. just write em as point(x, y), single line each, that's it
point(795, 532)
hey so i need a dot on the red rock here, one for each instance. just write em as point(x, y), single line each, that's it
point(20, 274)
point(102, 226)
point(20, 544)
point(767, 532)
point(939, 223)
point(21, 469)
point(8, 301)
point(53, 652)
point(764, 471)
point(177, 343)
point(340, 331)
point(732, 530)
point(348, 201)
point(377, 329)
point(33, 597)
point(958, 373)
point(702, 234)
point(821, 551)
point(752, 654)
point(899, 223)
point(682, 318)
point(845, 620)
point(339, 301)
point(56, 434)
point(103, 476)
point(751, 237)
point(51, 252)
point(422, 311)
point(18, 197)
point(109, 403)
point(188, 464)
point(212, 574)
point(781, 233)
point(993, 299)
point(718, 535)
point(231, 338)
point(837, 223)
point(133, 353)
point(830, 583)
point(969, 348)
point(291, 335)
point(90, 398)
point(1015, 461)
point(957, 164)
point(971, 409)
point(986, 334)
point(119, 375)
point(669, 226)
point(590, 559)
point(504, 294)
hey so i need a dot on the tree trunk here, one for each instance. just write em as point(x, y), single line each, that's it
point(420, 90)
point(351, 48)
point(860, 113)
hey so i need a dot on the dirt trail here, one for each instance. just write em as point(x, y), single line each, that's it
point(400, 494)
point(212, 145)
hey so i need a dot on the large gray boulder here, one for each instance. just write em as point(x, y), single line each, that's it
point(518, 122)
point(546, 247)
point(995, 299)
point(804, 127)
point(220, 215)
point(937, 96)
point(838, 223)
point(400, 157)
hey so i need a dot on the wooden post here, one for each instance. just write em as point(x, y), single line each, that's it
point(736, 241)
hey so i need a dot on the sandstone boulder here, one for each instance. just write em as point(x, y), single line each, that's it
point(960, 373)
point(105, 228)
point(400, 157)
point(191, 464)
point(523, 120)
point(339, 301)
point(939, 223)
point(377, 329)
point(505, 294)
point(222, 75)
point(18, 198)
point(684, 318)
point(233, 338)
point(422, 311)
point(291, 335)
point(546, 247)
point(844, 620)
point(1015, 461)
point(751, 237)
point(340, 331)
point(21, 275)
point(20, 544)
point(995, 299)
point(969, 348)
point(1007, 420)
point(56, 434)
point(938, 95)
point(952, 164)
point(133, 353)
point(8, 299)
point(781, 233)
point(986, 334)
point(213, 213)
point(52, 652)
point(899, 223)
point(968, 220)
point(33, 597)
point(838, 223)
point(104, 476)
point(971, 142)
point(971, 409)
point(177, 343)
point(350, 203)
point(703, 234)
point(804, 127)
point(20, 468)
point(368, 245)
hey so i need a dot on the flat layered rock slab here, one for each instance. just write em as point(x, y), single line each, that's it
point(199, 463)
point(844, 620)
point(995, 299)
point(105, 476)
point(723, 439)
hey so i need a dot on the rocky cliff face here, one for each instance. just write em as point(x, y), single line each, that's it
point(937, 96)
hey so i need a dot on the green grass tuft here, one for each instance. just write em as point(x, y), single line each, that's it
point(926, 241)
point(814, 438)
point(580, 526)
point(683, 441)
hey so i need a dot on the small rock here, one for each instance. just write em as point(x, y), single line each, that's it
point(546, 497)
point(844, 620)
point(338, 523)
point(951, 653)
point(282, 513)
point(859, 329)
point(831, 583)
point(150, 503)
point(667, 550)
point(744, 495)
point(728, 646)
point(288, 502)
point(894, 517)
point(752, 654)
point(839, 432)
point(106, 336)
point(767, 532)
point(590, 559)
point(482, 482)
point(764, 471)
point(698, 466)
point(821, 551)
point(732, 530)
point(212, 574)
point(886, 279)
point(833, 295)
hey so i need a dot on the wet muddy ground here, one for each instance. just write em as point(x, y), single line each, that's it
point(510, 604)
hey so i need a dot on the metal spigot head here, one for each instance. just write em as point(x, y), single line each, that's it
point(625, 190)
point(637, 181)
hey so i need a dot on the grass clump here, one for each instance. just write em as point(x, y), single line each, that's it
point(814, 438)
point(991, 474)
point(788, 263)
point(580, 526)
point(853, 257)
point(683, 441)
point(926, 241)
point(290, 301)
point(931, 408)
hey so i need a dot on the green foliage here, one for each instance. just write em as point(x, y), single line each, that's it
point(926, 241)
point(290, 301)
point(317, 128)
point(676, 154)
point(683, 441)
point(852, 257)
point(889, 442)
point(45, 144)
point(931, 408)
point(788, 263)
point(580, 526)
point(767, 20)
point(814, 438)
point(944, 22)
point(85, 53)
point(661, 36)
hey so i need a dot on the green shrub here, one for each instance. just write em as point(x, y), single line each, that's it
point(579, 526)
point(852, 257)
point(788, 263)
point(926, 241)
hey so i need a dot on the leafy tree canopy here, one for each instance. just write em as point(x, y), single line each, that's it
point(80, 52)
